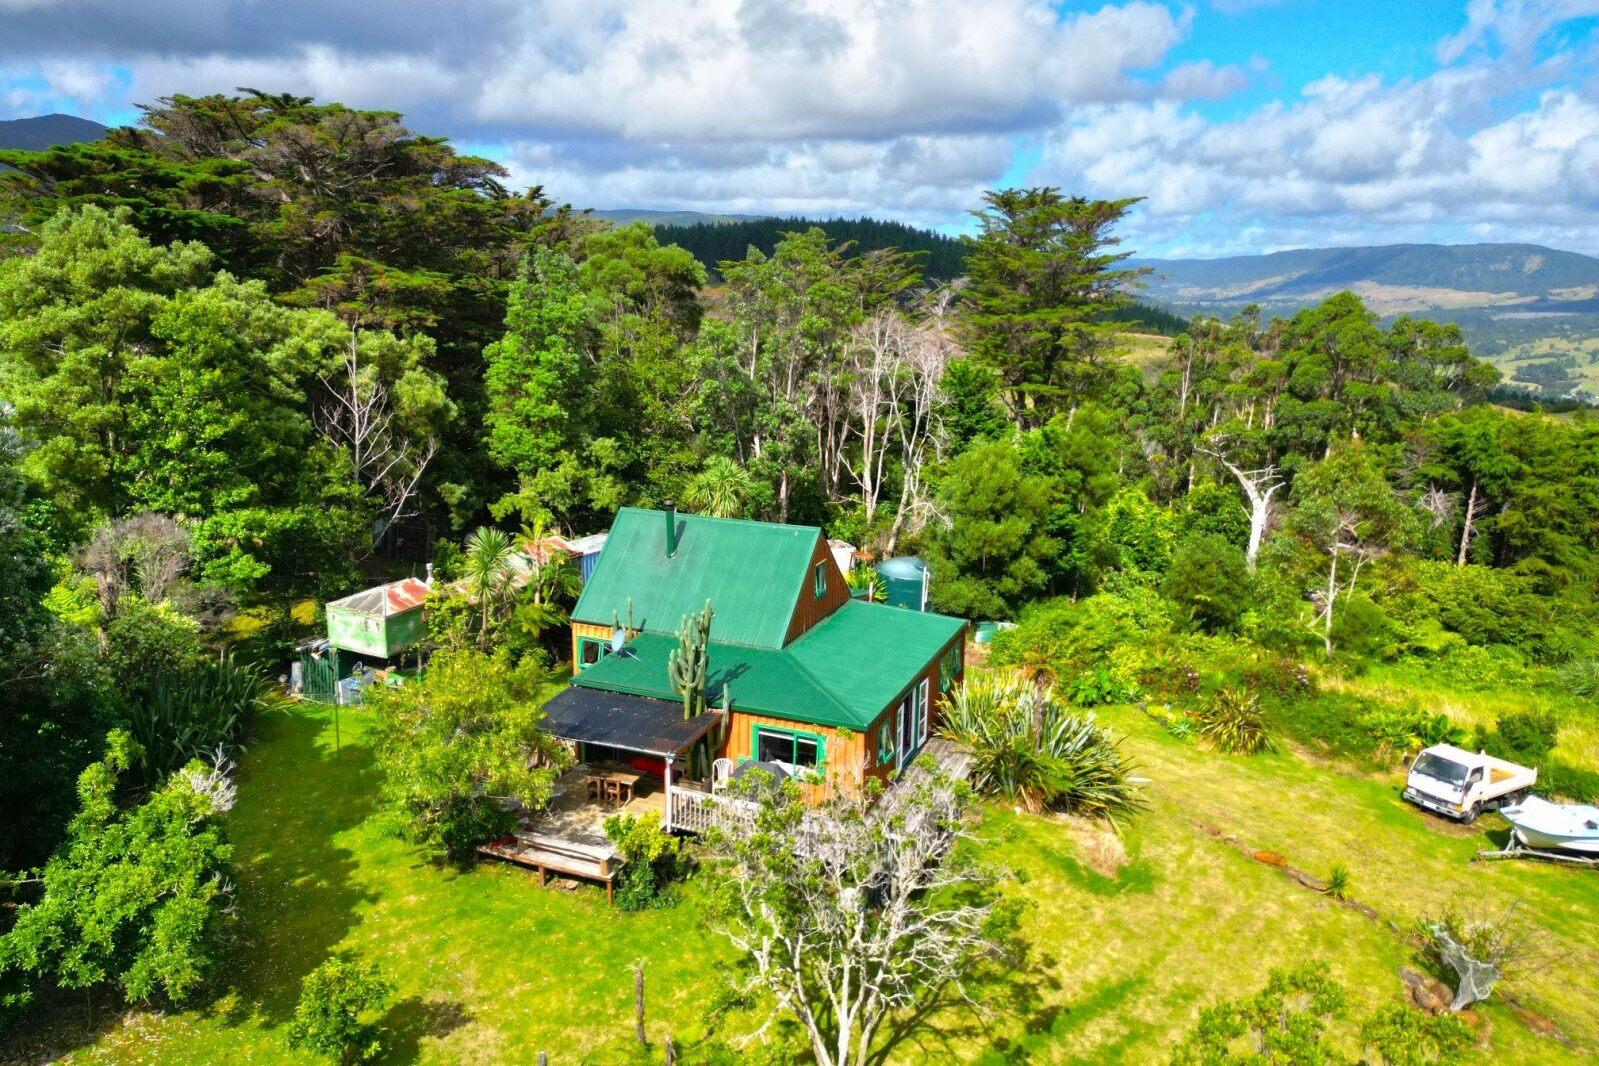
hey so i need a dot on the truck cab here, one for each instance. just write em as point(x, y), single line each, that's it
point(1461, 784)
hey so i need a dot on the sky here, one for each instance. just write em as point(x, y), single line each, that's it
point(1245, 125)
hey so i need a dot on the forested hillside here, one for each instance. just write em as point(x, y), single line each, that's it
point(261, 350)
point(939, 258)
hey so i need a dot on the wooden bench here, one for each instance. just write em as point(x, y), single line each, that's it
point(549, 855)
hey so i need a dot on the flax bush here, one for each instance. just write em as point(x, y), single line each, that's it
point(1232, 721)
point(1029, 749)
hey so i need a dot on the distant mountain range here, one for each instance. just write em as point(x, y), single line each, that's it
point(1392, 279)
point(620, 215)
point(37, 134)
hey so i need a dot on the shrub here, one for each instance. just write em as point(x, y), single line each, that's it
point(1406, 730)
point(653, 860)
point(1528, 735)
point(1574, 783)
point(333, 998)
point(1479, 669)
point(1281, 676)
point(1361, 629)
point(1100, 686)
point(1232, 721)
point(191, 717)
point(1209, 580)
point(1176, 723)
point(1030, 749)
point(1580, 677)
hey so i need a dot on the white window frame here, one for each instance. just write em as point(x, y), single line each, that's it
point(911, 711)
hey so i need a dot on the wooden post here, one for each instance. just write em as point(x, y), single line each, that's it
point(666, 823)
point(671, 1052)
point(544, 1059)
point(638, 1001)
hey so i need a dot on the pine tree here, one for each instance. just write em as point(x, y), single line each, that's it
point(1044, 278)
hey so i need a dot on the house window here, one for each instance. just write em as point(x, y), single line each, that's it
point(949, 665)
point(913, 722)
point(819, 580)
point(792, 751)
point(591, 650)
point(885, 741)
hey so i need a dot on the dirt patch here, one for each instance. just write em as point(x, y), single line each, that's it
point(1099, 847)
point(1447, 827)
point(1276, 861)
point(1544, 1027)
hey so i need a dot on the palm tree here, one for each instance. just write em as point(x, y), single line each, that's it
point(489, 573)
point(720, 489)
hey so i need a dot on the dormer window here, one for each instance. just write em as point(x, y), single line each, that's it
point(819, 580)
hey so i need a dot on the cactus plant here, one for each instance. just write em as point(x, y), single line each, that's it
point(688, 664)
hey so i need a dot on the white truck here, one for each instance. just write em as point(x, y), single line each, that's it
point(1460, 784)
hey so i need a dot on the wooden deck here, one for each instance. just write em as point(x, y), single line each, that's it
point(568, 837)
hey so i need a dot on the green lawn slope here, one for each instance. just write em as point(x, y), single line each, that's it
point(1131, 936)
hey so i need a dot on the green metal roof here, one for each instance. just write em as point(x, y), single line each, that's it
point(762, 680)
point(870, 652)
point(752, 573)
point(842, 672)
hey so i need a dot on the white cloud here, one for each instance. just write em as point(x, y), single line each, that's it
point(905, 108)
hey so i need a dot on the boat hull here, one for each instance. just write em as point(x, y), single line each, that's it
point(1553, 826)
point(1532, 838)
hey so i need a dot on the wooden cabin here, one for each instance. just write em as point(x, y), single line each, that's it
point(826, 689)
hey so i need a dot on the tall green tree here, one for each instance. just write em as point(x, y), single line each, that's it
point(993, 552)
point(457, 745)
point(536, 386)
point(141, 380)
point(1044, 276)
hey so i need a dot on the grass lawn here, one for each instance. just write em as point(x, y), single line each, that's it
point(1127, 949)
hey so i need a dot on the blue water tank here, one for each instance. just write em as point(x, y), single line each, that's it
point(905, 582)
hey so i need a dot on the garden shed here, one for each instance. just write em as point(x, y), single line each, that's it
point(379, 622)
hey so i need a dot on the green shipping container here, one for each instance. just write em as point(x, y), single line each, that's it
point(380, 622)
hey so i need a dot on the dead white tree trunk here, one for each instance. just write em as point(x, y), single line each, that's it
point(1259, 487)
point(357, 417)
point(1465, 532)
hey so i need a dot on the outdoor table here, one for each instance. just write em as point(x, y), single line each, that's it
point(609, 785)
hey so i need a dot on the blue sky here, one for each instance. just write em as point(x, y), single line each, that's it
point(1246, 125)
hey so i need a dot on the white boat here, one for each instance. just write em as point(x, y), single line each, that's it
point(1555, 826)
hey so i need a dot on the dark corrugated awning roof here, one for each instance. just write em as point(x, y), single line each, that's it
point(634, 723)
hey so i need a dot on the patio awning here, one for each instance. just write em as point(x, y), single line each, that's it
point(632, 723)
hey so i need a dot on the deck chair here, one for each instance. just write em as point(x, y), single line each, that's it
point(720, 771)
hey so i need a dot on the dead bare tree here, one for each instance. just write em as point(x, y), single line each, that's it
point(930, 348)
point(1259, 486)
point(896, 364)
point(1482, 951)
point(847, 915)
point(145, 553)
point(357, 415)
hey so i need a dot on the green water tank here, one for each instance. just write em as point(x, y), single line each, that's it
point(905, 582)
